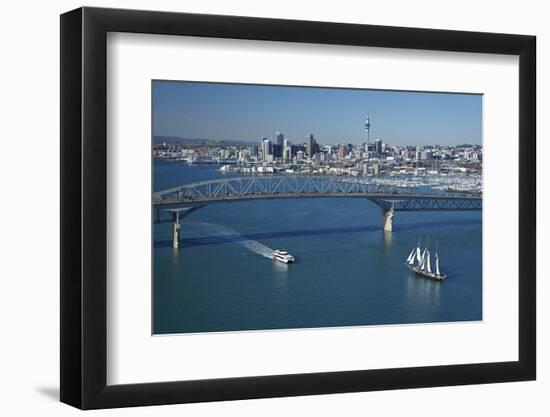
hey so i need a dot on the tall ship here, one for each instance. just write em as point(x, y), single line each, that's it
point(419, 261)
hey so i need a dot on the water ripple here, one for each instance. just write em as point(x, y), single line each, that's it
point(225, 235)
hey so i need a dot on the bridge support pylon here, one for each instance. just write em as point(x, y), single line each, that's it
point(387, 218)
point(177, 215)
point(176, 230)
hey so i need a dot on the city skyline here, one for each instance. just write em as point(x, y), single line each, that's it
point(247, 112)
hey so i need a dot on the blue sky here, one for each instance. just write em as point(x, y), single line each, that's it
point(249, 112)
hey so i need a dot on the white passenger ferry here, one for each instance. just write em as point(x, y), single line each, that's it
point(282, 255)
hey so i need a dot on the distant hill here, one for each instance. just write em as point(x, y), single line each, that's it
point(198, 141)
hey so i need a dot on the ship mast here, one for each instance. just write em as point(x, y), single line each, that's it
point(437, 260)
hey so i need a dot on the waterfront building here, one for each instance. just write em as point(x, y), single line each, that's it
point(426, 155)
point(300, 155)
point(408, 154)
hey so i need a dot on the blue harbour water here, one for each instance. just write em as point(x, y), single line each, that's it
point(348, 271)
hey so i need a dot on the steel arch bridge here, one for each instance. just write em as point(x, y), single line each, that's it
point(182, 200)
point(244, 188)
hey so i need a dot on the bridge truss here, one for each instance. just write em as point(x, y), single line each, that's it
point(182, 200)
point(436, 202)
point(246, 187)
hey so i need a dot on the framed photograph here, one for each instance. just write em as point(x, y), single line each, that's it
point(257, 208)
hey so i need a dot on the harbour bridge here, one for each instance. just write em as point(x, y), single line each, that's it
point(181, 201)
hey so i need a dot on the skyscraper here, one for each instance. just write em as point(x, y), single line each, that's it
point(279, 139)
point(310, 145)
point(266, 148)
point(277, 150)
point(287, 150)
point(378, 147)
point(253, 150)
point(417, 153)
point(342, 151)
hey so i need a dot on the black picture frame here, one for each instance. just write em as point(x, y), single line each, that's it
point(84, 207)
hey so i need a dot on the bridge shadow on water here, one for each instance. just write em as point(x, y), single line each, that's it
point(220, 239)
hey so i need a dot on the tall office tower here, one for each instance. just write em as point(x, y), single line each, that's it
point(266, 148)
point(277, 150)
point(367, 128)
point(378, 147)
point(287, 150)
point(310, 145)
point(279, 139)
point(342, 151)
point(253, 150)
point(417, 153)
point(316, 147)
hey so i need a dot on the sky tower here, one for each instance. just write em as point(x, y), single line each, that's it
point(367, 128)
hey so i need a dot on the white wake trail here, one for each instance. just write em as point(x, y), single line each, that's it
point(251, 245)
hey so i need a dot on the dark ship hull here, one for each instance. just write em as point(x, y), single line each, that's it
point(426, 274)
